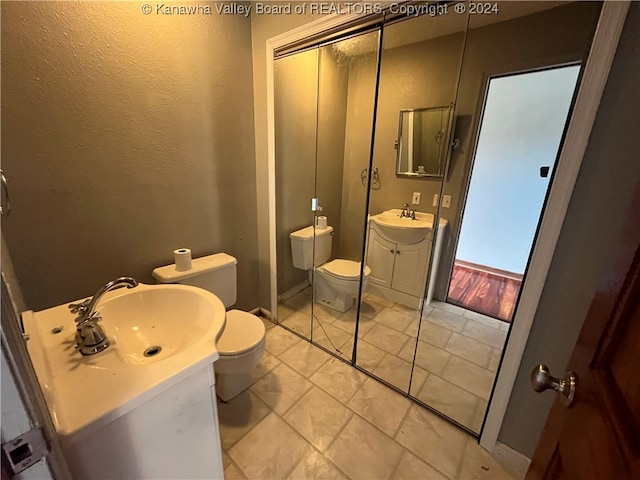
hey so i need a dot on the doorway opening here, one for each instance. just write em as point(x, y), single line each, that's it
point(519, 136)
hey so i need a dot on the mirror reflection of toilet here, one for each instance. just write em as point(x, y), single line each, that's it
point(242, 341)
point(336, 282)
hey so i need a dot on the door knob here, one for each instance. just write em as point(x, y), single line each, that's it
point(541, 380)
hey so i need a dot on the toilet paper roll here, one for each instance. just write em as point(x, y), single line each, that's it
point(321, 222)
point(182, 257)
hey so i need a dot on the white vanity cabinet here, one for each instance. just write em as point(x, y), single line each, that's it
point(399, 267)
point(398, 270)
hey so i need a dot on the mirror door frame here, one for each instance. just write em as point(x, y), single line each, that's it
point(592, 83)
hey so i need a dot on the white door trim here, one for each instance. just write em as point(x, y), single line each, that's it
point(588, 100)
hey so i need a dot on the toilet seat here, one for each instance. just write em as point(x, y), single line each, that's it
point(242, 332)
point(344, 269)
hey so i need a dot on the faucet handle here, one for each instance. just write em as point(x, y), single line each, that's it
point(79, 307)
point(81, 320)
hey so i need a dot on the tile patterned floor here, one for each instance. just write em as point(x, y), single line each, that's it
point(310, 415)
point(456, 351)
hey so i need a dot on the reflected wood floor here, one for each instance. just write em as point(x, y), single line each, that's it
point(484, 290)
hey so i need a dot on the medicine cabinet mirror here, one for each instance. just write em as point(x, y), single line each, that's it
point(424, 139)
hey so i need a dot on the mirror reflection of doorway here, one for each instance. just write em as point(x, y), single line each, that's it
point(520, 132)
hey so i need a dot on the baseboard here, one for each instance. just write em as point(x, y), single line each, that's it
point(264, 312)
point(513, 461)
point(293, 290)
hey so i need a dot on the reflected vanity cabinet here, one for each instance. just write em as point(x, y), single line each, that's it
point(398, 271)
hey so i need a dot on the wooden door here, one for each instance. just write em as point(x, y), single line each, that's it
point(598, 436)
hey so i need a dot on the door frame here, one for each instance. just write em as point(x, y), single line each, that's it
point(592, 83)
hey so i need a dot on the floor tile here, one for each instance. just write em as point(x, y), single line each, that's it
point(386, 338)
point(469, 349)
point(325, 314)
point(449, 320)
point(239, 416)
point(369, 309)
point(412, 312)
point(431, 358)
point(281, 388)
point(397, 372)
point(485, 334)
point(412, 468)
point(364, 452)
point(369, 356)
point(338, 379)
point(299, 322)
point(447, 307)
point(347, 322)
point(434, 334)
point(379, 404)
point(328, 336)
point(478, 464)
point(480, 318)
point(394, 319)
point(279, 340)
point(449, 399)
point(226, 459)
point(317, 466)
point(267, 363)
point(433, 439)
point(300, 301)
point(305, 358)
point(271, 450)
point(478, 416)
point(284, 311)
point(318, 417)
point(232, 472)
point(470, 377)
point(494, 360)
point(267, 323)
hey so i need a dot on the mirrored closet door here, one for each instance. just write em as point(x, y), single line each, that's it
point(387, 131)
point(323, 146)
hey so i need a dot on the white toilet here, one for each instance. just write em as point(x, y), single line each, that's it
point(336, 282)
point(242, 342)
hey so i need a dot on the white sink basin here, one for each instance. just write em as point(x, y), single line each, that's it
point(405, 230)
point(179, 323)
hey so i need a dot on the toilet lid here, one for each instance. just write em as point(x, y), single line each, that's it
point(242, 332)
point(342, 268)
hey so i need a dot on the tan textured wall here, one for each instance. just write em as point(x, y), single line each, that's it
point(124, 136)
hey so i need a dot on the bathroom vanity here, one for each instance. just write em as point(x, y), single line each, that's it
point(398, 253)
point(129, 411)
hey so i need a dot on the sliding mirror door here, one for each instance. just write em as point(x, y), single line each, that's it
point(517, 82)
point(324, 103)
point(296, 100)
point(346, 96)
point(419, 70)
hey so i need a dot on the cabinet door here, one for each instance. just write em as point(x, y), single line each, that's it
point(380, 257)
point(410, 271)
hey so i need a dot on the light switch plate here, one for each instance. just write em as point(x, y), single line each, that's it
point(435, 200)
point(416, 198)
point(446, 201)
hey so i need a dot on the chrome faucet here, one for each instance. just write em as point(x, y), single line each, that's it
point(89, 335)
point(405, 210)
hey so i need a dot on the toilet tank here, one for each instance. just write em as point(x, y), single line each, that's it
point(215, 273)
point(302, 246)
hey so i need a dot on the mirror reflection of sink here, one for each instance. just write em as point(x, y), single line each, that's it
point(405, 230)
point(177, 326)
